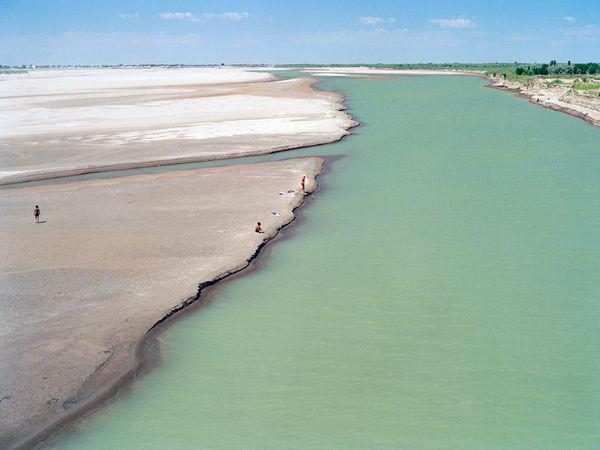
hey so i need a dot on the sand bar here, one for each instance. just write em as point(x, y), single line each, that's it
point(65, 122)
point(113, 257)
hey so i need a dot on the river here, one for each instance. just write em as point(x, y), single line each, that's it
point(441, 290)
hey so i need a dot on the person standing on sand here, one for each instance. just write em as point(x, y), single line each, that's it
point(302, 183)
point(258, 228)
point(36, 213)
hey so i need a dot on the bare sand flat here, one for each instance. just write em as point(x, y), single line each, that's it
point(112, 258)
point(63, 122)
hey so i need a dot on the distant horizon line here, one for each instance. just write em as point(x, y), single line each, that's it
point(496, 63)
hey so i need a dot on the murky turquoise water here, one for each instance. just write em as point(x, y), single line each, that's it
point(442, 291)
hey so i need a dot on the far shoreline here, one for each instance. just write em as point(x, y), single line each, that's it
point(494, 82)
point(521, 92)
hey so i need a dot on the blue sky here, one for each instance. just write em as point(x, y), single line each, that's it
point(297, 31)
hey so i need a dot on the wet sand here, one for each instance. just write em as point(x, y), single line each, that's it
point(62, 122)
point(111, 259)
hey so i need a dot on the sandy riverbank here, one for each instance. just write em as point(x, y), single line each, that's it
point(63, 122)
point(115, 256)
point(112, 258)
point(560, 97)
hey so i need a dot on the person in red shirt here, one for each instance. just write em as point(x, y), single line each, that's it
point(302, 183)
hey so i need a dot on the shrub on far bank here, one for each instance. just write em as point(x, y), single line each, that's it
point(559, 69)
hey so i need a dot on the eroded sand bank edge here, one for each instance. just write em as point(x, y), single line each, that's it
point(520, 90)
point(99, 388)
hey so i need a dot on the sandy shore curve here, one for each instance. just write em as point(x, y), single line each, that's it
point(144, 248)
point(114, 257)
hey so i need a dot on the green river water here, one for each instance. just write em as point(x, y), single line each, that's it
point(441, 290)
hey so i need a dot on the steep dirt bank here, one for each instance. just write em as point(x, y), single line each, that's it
point(561, 97)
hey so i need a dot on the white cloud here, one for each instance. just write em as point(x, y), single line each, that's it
point(459, 22)
point(75, 47)
point(589, 33)
point(176, 15)
point(379, 38)
point(570, 19)
point(588, 30)
point(204, 17)
point(227, 16)
point(128, 16)
point(372, 20)
point(522, 37)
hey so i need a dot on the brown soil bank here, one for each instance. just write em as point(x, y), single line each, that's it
point(560, 97)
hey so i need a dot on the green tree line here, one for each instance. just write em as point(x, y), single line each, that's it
point(554, 68)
